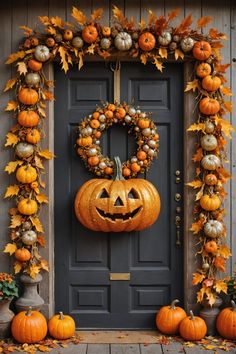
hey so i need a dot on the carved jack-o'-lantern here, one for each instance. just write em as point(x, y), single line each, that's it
point(117, 205)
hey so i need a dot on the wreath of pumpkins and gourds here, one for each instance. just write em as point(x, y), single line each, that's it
point(153, 41)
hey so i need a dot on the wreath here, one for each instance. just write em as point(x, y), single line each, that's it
point(140, 125)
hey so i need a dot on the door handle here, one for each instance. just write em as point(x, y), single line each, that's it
point(177, 225)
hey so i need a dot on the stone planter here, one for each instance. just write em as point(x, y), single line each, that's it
point(209, 314)
point(30, 296)
point(6, 316)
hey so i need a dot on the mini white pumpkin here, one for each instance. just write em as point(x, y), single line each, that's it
point(77, 42)
point(32, 79)
point(24, 150)
point(213, 228)
point(210, 162)
point(105, 43)
point(164, 38)
point(187, 44)
point(29, 237)
point(208, 142)
point(123, 41)
point(26, 225)
point(209, 127)
point(42, 53)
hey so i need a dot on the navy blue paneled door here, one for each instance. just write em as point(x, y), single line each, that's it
point(85, 259)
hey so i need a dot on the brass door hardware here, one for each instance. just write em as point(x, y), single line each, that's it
point(178, 197)
point(177, 224)
point(119, 276)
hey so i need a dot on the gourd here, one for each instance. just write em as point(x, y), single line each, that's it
point(89, 34)
point(164, 38)
point(34, 65)
point(210, 162)
point(147, 41)
point(24, 150)
point(123, 41)
point(213, 228)
point(211, 247)
point(192, 328)
point(209, 106)
point(28, 96)
point(203, 70)
point(209, 127)
point(22, 254)
point(210, 202)
point(29, 327)
point(33, 136)
point(28, 118)
point(187, 44)
point(27, 206)
point(169, 317)
point(202, 50)
point(61, 326)
point(226, 322)
point(26, 174)
point(211, 83)
point(210, 179)
point(105, 43)
point(32, 79)
point(42, 53)
point(29, 237)
point(77, 42)
point(209, 142)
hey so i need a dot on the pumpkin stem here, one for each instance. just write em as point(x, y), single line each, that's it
point(29, 311)
point(61, 316)
point(174, 302)
point(191, 315)
point(233, 305)
point(118, 169)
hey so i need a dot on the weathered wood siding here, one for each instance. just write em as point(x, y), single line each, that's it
point(18, 12)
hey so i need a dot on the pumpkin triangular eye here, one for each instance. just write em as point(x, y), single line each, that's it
point(118, 202)
point(104, 194)
point(133, 194)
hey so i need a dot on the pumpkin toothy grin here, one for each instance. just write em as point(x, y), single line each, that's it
point(119, 216)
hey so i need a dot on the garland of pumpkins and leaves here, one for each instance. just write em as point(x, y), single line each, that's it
point(152, 41)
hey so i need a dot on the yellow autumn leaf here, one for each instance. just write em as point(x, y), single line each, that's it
point(10, 84)
point(12, 165)
point(46, 154)
point(38, 162)
point(51, 30)
point(226, 91)
point(79, 16)
point(228, 106)
point(15, 221)
point(17, 267)
point(196, 127)
point(33, 271)
point(211, 297)
point(10, 248)
point(37, 224)
point(42, 112)
point(97, 14)
point(90, 49)
point(226, 127)
point(220, 286)
point(44, 265)
point(43, 348)
point(44, 20)
point(27, 30)
point(47, 95)
point(200, 294)
point(63, 52)
point(12, 139)
point(158, 64)
point(81, 62)
point(179, 54)
point(42, 198)
point(11, 106)
point(210, 347)
point(200, 193)
point(143, 58)
point(192, 85)
point(11, 191)
point(163, 52)
point(195, 184)
point(57, 22)
point(142, 24)
point(21, 67)
point(15, 56)
point(198, 278)
point(224, 251)
point(196, 227)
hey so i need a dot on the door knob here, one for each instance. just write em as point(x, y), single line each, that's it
point(178, 197)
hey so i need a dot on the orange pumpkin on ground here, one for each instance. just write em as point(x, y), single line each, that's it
point(203, 70)
point(61, 326)
point(192, 328)
point(29, 327)
point(117, 205)
point(90, 34)
point(28, 119)
point(147, 41)
point(169, 318)
point(22, 254)
point(211, 83)
point(226, 322)
point(209, 106)
point(211, 247)
point(210, 202)
point(28, 96)
point(27, 206)
point(34, 65)
point(202, 50)
point(33, 136)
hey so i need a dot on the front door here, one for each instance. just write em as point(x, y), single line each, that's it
point(85, 259)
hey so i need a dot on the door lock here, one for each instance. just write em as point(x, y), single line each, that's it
point(178, 197)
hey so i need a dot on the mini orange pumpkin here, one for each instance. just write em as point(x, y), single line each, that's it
point(120, 113)
point(61, 326)
point(28, 118)
point(96, 115)
point(210, 202)
point(211, 247)
point(143, 123)
point(109, 114)
point(226, 322)
point(147, 41)
point(209, 106)
point(67, 35)
point(135, 167)
point(26, 174)
point(108, 171)
point(169, 318)
point(211, 179)
point(111, 107)
point(211, 83)
point(29, 327)
point(203, 70)
point(22, 254)
point(93, 161)
point(192, 328)
point(126, 172)
point(94, 123)
point(106, 31)
point(33, 136)
point(85, 141)
point(27, 206)
point(34, 65)
point(141, 155)
point(28, 96)
point(202, 50)
point(90, 34)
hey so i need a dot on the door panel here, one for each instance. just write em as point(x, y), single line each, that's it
point(83, 258)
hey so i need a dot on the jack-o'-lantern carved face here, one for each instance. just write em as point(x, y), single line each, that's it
point(117, 205)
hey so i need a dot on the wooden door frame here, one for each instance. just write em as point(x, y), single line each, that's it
point(47, 288)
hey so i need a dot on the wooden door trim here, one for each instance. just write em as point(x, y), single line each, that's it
point(47, 288)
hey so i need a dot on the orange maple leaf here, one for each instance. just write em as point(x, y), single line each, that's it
point(203, 21)
point(198, 278)
point(219, 263)
point(198, 156)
